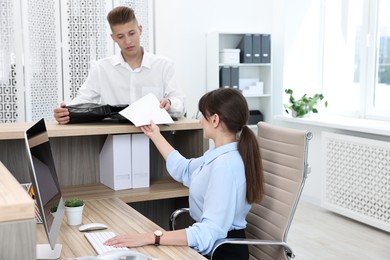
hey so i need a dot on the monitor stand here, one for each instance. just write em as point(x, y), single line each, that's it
point(44, 251)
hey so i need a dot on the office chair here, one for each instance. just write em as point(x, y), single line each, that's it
point(284, 154)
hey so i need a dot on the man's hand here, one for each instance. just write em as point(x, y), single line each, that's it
point(61, 114)
point(165, 103)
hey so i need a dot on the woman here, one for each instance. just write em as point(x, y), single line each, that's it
point(222, 183)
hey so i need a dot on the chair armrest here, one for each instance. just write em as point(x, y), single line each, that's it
point(175, 214)
point(247, 241)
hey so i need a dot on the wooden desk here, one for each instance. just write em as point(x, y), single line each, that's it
point(120, 219)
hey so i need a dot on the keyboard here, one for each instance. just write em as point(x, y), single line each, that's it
point(96, 239)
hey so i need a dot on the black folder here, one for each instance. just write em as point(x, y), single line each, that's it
point(256, 48)
point(234, 77)
point(224, 77)
point(265, 48)
point(245, 46)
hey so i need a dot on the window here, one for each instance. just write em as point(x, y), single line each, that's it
point(356, 63)
point(379, 105)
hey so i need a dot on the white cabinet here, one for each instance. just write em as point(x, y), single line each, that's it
point(218, 41)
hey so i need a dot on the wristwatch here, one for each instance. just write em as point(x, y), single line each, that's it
point(157, 235)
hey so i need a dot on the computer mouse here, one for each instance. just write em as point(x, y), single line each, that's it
point(92, 226)
point(122, 254)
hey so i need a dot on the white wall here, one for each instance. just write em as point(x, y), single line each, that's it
point(301, 61)
point(180, 34)
point(181, 28)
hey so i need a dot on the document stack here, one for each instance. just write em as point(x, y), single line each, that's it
point(228, 77)
point(255, 48)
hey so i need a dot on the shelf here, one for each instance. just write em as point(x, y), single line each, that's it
point(262, 72)
point(159, 189)
point(257, 96)
point(246, 64)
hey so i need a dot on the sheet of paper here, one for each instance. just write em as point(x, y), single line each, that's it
point(145, 109)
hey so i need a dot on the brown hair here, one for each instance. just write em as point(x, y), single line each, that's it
point(231, 107)
point(121, 15)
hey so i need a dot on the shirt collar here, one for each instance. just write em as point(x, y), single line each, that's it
point(117, 59)
point(146, 59)
point(211, 154)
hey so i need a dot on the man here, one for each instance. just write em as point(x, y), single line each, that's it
point(129, 75)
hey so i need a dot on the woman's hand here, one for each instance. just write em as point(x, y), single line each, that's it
point(150, 130)
point(153, 132)
point(131, 240)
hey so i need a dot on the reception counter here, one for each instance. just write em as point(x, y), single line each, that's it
point(76, 149)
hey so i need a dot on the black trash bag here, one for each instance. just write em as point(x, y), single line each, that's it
point(90, 112)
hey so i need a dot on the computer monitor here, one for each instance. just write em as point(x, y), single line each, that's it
point(46, 186)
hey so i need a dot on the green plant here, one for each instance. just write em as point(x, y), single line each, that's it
point(74, 203)
point(303, 106)
point(54, 208)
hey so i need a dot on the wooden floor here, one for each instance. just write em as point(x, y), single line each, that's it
point(320, 234)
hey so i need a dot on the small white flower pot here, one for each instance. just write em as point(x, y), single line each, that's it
point(74, 215)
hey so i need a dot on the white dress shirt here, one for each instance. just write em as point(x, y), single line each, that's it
point(112, 81)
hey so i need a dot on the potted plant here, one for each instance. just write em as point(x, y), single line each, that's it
point(53, 208)
point(74, 211)
point(303, 106)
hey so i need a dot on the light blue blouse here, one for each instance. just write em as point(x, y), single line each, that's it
point(217, 193)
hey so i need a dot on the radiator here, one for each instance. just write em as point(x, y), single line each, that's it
point(357, 178)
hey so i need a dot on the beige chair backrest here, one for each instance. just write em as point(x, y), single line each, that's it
point(284, 155)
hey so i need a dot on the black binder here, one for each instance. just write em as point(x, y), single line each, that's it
point(255, 116)
point(224, 77)
point(234, 77)
point(245, 46)
point(256, 48)
point(265, 48)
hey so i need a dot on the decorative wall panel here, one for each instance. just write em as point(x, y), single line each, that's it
point(8, 97)
point(84, 34)
point(43, 78)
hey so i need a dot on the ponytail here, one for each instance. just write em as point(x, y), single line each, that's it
point(248, 148)
point(232, 109)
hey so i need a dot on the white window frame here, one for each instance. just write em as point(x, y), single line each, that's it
point(369, 46)
point(372, 46)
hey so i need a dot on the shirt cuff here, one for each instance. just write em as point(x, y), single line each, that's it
point(190, 238)
point(177, 108)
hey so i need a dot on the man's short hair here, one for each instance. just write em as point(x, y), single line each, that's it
point(121, 15)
